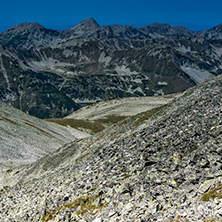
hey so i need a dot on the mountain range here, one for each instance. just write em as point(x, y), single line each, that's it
point(49, 73)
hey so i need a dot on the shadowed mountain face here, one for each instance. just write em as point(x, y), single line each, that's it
point(161, 165)
point(50, 73)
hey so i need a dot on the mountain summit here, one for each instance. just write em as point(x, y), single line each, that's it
point(213, 33)
point(86, 25)
point(26, 27)
point(27, 35)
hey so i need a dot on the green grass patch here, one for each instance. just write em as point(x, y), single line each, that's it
point(213, 193)
point(111, 119)
point(91, 126)
point(127, 176)
point(85, 205)
point(49, 216)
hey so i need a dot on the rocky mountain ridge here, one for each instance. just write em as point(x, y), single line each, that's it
point(162, 165)
point(89, 63)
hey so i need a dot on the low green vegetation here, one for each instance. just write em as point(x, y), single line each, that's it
point(213, 193)
point(84, 204)
point(84, 125)
point(91, 126)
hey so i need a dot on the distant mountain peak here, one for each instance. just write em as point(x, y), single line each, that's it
point(158, 25)
point(86, 25)
point(25, 25)
point(213, 33)
point(23, 28)
point(91, 20)
point(218, 27)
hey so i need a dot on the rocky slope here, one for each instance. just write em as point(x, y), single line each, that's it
point(24, 139)
point(125, 107)
point(89, 63)
point(98, 116)
point(162, 165)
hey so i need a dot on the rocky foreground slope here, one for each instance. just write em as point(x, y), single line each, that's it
point(162, 165)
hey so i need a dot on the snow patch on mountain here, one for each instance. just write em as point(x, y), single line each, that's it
point(217, 50)
point(124, 70)
point(139, 90)
point(104, 59)
point(183, 49)
point(47, 64)
point(162, 83)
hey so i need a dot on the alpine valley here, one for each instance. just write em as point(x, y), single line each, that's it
point(49, 73)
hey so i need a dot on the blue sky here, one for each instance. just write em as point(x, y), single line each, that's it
point(194, 14)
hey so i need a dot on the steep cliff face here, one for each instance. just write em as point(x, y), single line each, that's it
point(89, 63)
point(164, 164)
